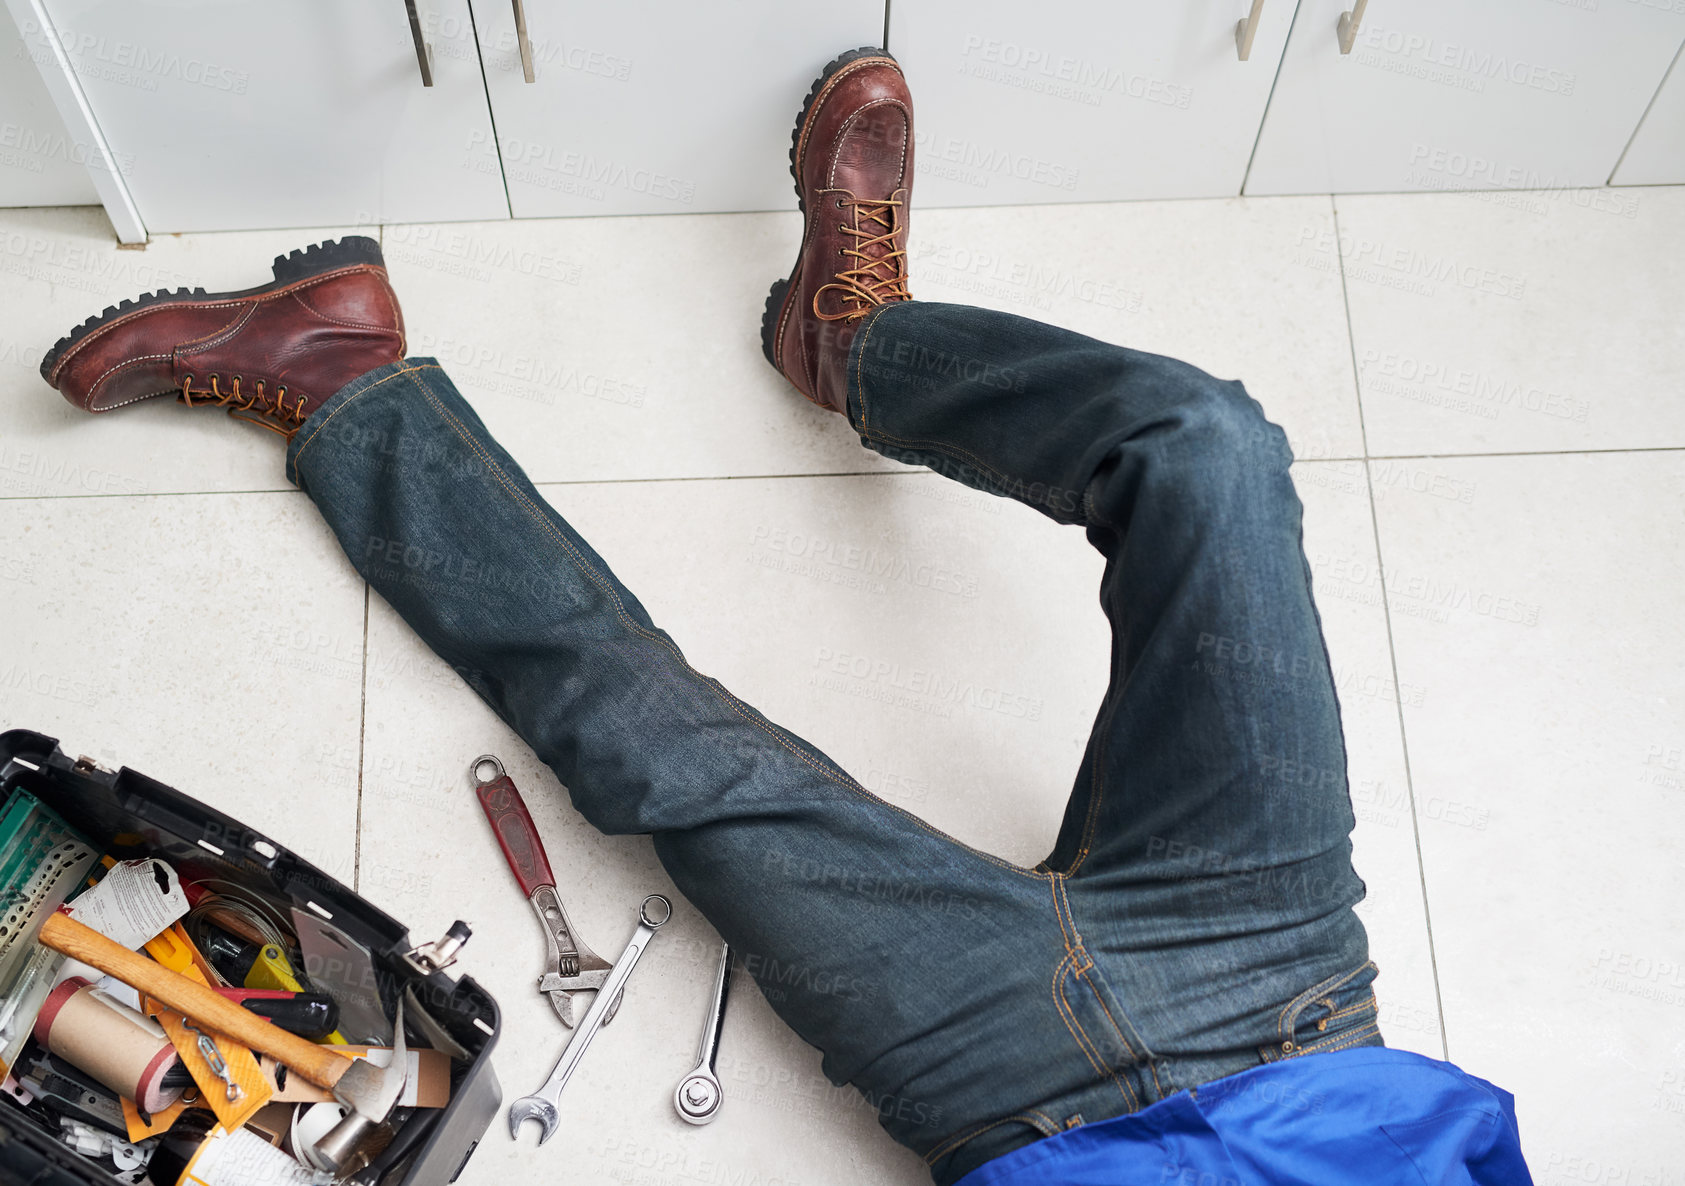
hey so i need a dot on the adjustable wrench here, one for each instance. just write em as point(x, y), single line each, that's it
point(541, 1104)
point(570, 966)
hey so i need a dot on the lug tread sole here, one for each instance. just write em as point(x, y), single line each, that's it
point(288, 269)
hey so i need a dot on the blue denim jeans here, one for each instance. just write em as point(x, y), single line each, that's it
point(1195, 916)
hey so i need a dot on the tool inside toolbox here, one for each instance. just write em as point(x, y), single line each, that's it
point(110, 1071)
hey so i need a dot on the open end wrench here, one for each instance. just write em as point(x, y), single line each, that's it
point(698, 1096)
point(541, 1104)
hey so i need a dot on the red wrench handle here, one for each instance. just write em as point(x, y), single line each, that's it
point(516, 834)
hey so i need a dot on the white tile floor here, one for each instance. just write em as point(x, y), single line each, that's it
point(1486, 395)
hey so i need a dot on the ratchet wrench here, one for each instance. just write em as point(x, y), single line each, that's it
point(541, 1104)
point(570, 966)
point(698, 1096)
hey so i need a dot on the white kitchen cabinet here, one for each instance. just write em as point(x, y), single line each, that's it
point(1456, 95)
point(1083, 100)
point(1656, 155)
point(245, 113)
point(658, 106)
point(40, 163)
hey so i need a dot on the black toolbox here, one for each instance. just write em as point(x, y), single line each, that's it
point(133, 815)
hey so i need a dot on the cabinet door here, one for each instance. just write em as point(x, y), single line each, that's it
point(1448, 94)
point(1656, 155)
point(39, 164)
point(658, 106)
point(1083, 100)
point(247, 113)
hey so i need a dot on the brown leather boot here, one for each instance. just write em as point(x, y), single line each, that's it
point(852, 156)
point(271, 354)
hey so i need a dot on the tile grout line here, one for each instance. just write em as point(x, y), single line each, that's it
point(362, 751)
point(1392, 649)
point(1523, 453)
point(362, 717)
point(873, 473)
point(868, 473)
point(293, 490)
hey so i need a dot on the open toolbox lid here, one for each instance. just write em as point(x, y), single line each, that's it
point(130, 815)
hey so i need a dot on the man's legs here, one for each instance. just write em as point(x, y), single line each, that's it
point(1196, 912)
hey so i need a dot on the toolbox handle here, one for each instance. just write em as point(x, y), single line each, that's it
point(319, 1064)
point(516, 834)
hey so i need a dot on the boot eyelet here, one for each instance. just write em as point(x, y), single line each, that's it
point(841, 204)
point(842, 226)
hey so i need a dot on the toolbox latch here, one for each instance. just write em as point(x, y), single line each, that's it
point(442, 953)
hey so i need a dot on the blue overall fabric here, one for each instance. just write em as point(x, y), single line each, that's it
point(1194, 919)
point(1355, 1118)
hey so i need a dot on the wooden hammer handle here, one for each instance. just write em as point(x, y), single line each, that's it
point(319, 1064)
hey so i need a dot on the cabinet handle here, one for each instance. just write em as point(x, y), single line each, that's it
point(1349, 21)
point(423, 51)
point(521, 36)
point(1247, 29)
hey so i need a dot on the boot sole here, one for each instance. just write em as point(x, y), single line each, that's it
point(288, 269)
point(773, 315)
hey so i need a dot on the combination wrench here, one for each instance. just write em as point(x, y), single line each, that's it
point(541, 1104)
point(698, 1096)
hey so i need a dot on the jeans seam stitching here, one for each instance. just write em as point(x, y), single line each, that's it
point(1363, 1007)
point(963, 1136)
point(1128, 1048)
point(731, 701)
point(1284, 1025)
point(1074, 951)
point(860, 367)
point(354, 395)
point(1125, 1088)
point(1064, 896)
point(1097, 780)
point(1058, 913)
point(1339, 1041)
point(1051, 1123)
point(1068, 1016)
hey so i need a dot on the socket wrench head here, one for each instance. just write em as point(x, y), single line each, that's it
point(697, 1099)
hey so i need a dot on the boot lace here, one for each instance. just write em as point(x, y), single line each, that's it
point(880, 276)
point(266, 409)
